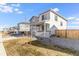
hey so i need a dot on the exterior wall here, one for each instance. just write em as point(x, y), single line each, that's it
point(13, 29)
point(5, 29)
point(54, 25)
point(34, 19)
point(50, 19)
point(57, 23)
point(62, 42)
point(46, 14)
point(24, 27)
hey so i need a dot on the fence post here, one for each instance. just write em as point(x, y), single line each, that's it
point(66, 33)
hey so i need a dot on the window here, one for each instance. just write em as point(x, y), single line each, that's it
point(44, 17)
point(47, 27)
point(61, 24)
point(42, 27)
point(56, 17)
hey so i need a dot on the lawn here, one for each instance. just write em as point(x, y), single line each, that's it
point(27, 47)
point(20, 47)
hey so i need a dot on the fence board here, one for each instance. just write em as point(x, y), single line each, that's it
point(73, 34)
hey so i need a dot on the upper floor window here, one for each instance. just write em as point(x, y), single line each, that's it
point(44, 17)
point(61, 24)
point(56, 17)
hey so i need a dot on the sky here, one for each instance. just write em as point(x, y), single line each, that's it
point(13, 13)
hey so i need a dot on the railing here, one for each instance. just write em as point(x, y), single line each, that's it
point(43, 34)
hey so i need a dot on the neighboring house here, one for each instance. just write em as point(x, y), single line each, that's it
point(5, 29)
point(13, 30)
point(24, 27)
point(46, 23)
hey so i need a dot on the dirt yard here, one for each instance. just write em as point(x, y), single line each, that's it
point(27, 47)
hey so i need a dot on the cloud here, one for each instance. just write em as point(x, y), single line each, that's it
point(15, 5)
point(9, 8)
point(16, 9)
point(71, 18)
point(56, 9)
point(73, 27)
point(75, 22)
point(6, 9)
point(77, 18)
point(3, 3)
point(20, 12)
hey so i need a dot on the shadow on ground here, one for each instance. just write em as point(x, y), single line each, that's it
point(56, 48)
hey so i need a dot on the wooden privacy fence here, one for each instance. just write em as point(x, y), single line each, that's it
point(73, 34)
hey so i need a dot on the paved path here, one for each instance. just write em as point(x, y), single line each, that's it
point(2, 50)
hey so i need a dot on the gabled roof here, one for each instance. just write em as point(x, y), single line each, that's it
point(24, 23)
point(33, 17)
point(51, 10)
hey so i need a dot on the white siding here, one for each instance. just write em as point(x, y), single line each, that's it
point(24, 27)
point(53, 24)
point(57, 23)
point(46, 14)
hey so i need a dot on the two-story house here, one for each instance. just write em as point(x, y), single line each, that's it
point(24, 27)
point(46, 23)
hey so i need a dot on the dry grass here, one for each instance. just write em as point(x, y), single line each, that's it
point(20, 47)
point(4, 34)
